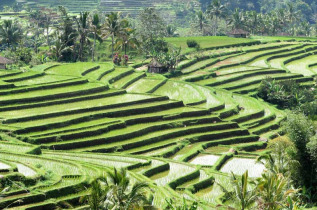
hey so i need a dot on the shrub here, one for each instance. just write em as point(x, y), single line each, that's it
point(192, 43)
point(302, 133)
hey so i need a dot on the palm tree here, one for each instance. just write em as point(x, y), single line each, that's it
point(122, 195)
point(10, 33)
point(97, 195)
point(113, 27)
point(241, 196)
point(237, 19)
point(127, 40)
point(96, 30)
point(216, 11)
point(292, 16)
point(201, 22)
point(273, 192)
point(83, 30)
point(253, 19)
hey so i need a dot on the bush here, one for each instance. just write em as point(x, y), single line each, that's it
point(192, 43)
point(302, 133)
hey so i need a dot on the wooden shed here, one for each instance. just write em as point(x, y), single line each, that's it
point(156, 67)
point(239, 33)
point(4, 62)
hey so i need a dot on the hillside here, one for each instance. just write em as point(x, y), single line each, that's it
point(72, 122)
point(131, 7)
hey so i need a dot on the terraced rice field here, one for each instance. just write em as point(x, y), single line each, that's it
point(65, 124)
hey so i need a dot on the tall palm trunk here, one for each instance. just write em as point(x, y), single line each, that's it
point(94, 48)
point(112, 44)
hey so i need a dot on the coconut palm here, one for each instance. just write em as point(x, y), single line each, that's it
point(292, 15)
point(83, 30)
point(121, 194)
point(126, 38)
point(97, 195)
point(96, 30)
point(241, 196)
point(201, 22)
point(113, 27)
point(216, 10)
point(10, 33)
point(237, 19)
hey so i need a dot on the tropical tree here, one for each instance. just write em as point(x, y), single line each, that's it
point(97, 195)
point(237, 19)
point(96, 30)
point(67, 35)
point(201, 22)
point(113, 26)
point(273, 191)
point(282, 158)
point(10, 33)
point(292, 15)
point(83, 30)
point(216, 10)
point(241, 196)
point(127, 40)
point(122, 195)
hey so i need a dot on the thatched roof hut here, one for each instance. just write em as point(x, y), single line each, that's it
point(239, 33)
point(157, 67)
point(4, 62)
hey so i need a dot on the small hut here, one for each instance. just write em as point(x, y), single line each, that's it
point(4, 62)
point(239, 33)
point(157, 67)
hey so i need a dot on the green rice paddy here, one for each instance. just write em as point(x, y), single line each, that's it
point(65, 124)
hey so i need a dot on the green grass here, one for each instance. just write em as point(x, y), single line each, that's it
point(206, 42)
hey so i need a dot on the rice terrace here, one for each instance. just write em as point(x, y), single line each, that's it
point(158, 104)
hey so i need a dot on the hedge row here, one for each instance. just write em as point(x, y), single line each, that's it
point(183, 179)
point(194, 188)
point(157, 86)
point(108, 113)
point(156, 170)
point(54, 96)
point(292, 53)
point(25, 78)
point(179, 131)
point(105, 73)
point(86, 133)
point(63, 101)
point(252, 82)
point(70, 82)
point(247, 74)
point(251, 146)
point(90, 70)
point(133, 80)
point(222, 160)
point(78, 111)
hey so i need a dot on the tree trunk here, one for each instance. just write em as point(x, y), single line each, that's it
point(94, 47)
point(112, 45)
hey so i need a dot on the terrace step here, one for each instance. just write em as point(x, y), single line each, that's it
point(139, 130)
point(256, 80)
point(128, 80)
point(82, 97)
point(133, 110)
point(43, 86)
point(146, 85)
point(87, 132)
point(43, 95)
point(80, 107)
point(228, 78)
point(117, 74)
point(24, 76)
point(187, 133)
